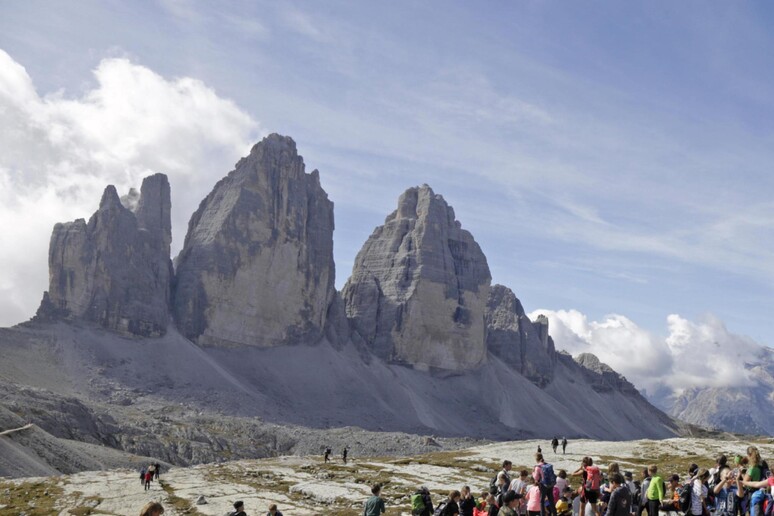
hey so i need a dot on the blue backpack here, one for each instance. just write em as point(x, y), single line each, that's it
point(547, 476)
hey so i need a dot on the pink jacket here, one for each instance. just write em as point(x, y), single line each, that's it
point(533, 498)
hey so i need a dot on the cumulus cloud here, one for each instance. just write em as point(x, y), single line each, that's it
point(693, 354)
point(60, 151)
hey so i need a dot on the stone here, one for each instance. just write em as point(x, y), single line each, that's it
point(521, 343)
point(419, 287)
point(115, 270)
point(257, 266)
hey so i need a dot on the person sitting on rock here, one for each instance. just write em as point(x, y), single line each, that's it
point(273, 511)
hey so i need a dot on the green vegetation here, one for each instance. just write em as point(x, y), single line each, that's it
point(33, 498)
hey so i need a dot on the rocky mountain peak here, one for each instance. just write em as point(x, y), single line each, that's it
point(419, 286)
point(518, 341)
point(115, 270)
point(257, 265)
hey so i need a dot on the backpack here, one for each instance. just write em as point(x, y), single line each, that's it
point(593, 478)
point(417, 503)
point(547, 476)
point(440, 509)
point(768, 505)
point(684, 497)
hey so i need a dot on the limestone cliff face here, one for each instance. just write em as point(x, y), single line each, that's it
point(257, 265)
point(115, 270)
point(419, 287)
point(518, 341)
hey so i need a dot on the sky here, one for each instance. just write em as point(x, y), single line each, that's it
point(612, 159)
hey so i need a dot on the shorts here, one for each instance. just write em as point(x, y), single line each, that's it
point(590, 496)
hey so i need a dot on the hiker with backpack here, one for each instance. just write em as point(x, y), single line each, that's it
point(421, 502)
point(591, 482)
point(344, 454)
point(327, 455)
point(374, 506)
point(273, 511)
point(533, 499)
point(564, 444)
point(554, 444)
point(148, 479)
point(157, 471)
point(620, 503)
point(698, 494)
point(545, 478)
point(765, 492)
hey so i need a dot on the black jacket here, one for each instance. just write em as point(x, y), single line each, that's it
point(620, 502)
point(467, 505)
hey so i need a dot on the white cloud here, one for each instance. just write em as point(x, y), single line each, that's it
point(693, 354)
point(60, 152)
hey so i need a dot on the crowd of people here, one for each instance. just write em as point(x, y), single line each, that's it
point(149, 473)
point(742, 486)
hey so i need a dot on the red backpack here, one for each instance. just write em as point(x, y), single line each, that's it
point(592, 478)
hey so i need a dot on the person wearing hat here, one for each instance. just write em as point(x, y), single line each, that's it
point(510, 501)
point(239, 509)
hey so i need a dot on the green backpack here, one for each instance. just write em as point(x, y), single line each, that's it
point(417, 503)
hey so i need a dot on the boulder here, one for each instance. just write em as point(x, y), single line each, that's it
point(257, 266)
point(115, 270)
point(419, 287)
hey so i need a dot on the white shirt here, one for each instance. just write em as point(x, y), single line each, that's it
point(561, 483)
point(576, 506)
point(697, 497)
point(518, 486)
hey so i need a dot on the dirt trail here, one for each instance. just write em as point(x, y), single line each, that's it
point(14, 430)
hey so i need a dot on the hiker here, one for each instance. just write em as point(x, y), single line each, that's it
point(152, 509)
point(655, 492)
point(533, 499)
point(564, 444)
point(148, 479)
point(554, 443)
point(672, 497)
point(759, 495)
point(239, 509)
point(727, 492)
point(273, 511)
point(421, 503)
point(620, 497)
point(451, 506)
point(546, 479)
point(591, 480)
point(539, 450)
point(157, 470)
point(507, 466)
point(510, 501)
point(561, 481)
point(519, 486)
point(142, 475)
point(698, 493)
point(344, 454)
point(607, 489)
point(563, 507)
point(492, 508)
point(374, 506)
point(467, 502)
point(502, 485)
point(327, 455)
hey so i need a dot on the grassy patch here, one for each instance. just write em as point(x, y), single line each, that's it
point(181, 505)
point(32, 498)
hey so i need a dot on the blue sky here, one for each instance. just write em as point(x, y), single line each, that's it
point(609, 157)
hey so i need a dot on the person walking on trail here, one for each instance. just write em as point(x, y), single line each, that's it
point(620, 503)
point(142, 475)
point(157, 470)
point(239, 509)
point(327, 455)
point(554, 443)
point(545, 478)
point(564, 445)
point(152, 509)
point(148, 479)
point(344, 454)
point(374, 506)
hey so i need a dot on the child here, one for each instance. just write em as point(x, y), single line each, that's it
point(533, 498)
point(563, 507)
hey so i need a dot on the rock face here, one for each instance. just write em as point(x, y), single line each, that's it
point(519, 342)
point(257, 265)
point(419, 287)
point(115, 270)
point(602, 377)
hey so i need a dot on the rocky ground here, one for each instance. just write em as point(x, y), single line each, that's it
point(305, 486)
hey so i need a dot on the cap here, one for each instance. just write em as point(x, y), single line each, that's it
point(238, 504)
